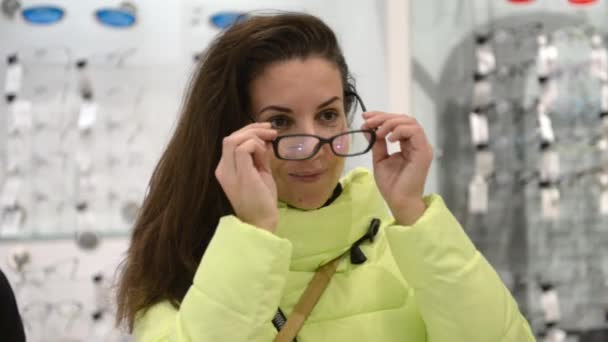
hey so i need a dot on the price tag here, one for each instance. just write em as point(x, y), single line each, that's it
point(542, 65)
point(548, 93)
point(479, 128)
point(604, 202)
point(599, 63)
point(546, 59)
point(549, 166)
point(602, 144)
point(550, 203)
point(603, 180)
point(556, 335)
point(482, 94)
point(14, 77)
point(88, 115)
point(484, 163)
point(546, 128)
point(604, 97)
point(22, 115)
point(102, 295)
point(550, 304)
point(478, 195)
point(486, 61)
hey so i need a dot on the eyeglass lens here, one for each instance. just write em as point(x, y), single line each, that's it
point(345, 145)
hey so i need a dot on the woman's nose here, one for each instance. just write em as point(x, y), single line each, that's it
point(315, 128)
point(309, 128)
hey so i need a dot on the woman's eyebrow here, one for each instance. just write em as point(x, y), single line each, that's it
point(275, 108)
point(288, 110)
point(328, 102)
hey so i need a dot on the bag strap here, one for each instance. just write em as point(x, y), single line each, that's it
point(307, 301)
point(288, 329)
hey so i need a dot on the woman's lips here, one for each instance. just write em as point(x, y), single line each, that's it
point(306, 177)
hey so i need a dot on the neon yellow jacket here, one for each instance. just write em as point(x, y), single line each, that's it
point(424, 282)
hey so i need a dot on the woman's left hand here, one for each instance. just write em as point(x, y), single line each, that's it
point(400, 176)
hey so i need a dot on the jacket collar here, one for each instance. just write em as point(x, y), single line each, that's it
point(319, 236)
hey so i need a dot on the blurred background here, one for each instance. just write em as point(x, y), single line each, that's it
point(513, 95)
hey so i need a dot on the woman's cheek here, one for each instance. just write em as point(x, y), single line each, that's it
point(276, 167)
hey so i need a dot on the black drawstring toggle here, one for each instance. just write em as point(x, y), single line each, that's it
point(356, 254)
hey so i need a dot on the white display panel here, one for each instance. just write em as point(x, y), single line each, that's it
point(102, 159)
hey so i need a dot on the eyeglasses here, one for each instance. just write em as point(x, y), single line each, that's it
point(306, 146)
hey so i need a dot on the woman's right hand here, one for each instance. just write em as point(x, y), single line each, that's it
point(244, 174)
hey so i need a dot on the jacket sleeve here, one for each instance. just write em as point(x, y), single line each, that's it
point(460, 296)
point(235, 292)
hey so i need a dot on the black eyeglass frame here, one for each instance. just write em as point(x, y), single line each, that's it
point(323, 141)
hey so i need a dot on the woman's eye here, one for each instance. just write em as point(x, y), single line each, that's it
point(279, 122)
point(328, 116)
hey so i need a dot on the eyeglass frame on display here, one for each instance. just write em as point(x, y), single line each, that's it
point(323, 141)
point(53, 307)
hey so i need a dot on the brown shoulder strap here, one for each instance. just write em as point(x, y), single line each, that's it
point(307, 301)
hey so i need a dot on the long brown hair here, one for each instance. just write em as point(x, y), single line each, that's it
point(185, 201)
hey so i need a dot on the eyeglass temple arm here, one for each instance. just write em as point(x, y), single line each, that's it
point(354, 93)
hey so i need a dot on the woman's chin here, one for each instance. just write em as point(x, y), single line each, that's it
point(308, 196)
point(308, 203)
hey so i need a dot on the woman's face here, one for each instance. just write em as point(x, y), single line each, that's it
point(303, 96)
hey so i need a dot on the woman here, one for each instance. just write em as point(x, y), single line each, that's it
point(246, 204)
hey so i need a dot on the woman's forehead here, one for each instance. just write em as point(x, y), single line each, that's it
point(296, 82)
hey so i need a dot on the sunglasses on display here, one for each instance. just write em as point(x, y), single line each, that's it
point(123, 16)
